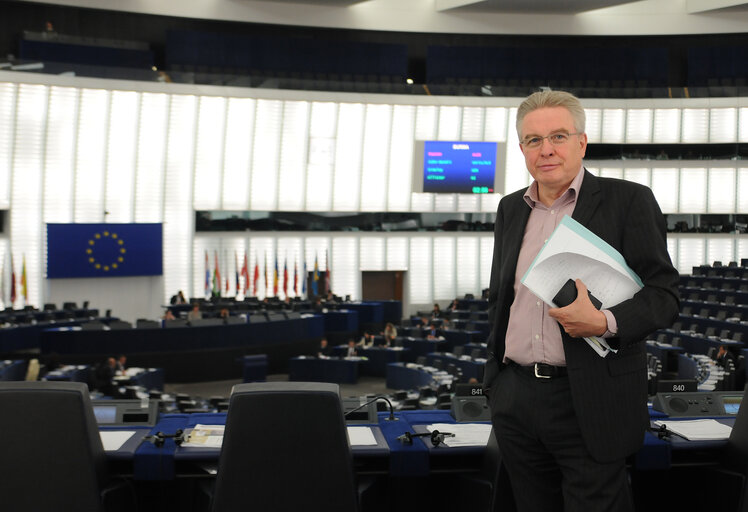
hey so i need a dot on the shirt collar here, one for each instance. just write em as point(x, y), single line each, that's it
point(531, 194)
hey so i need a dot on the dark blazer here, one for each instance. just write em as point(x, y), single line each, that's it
point(609, 394)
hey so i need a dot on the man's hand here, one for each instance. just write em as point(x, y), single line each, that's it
point(580, 319)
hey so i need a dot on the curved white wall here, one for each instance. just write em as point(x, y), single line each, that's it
point(90, 150)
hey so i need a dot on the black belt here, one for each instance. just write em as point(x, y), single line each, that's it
point(541, 370)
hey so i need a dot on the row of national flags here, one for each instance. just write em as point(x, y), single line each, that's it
point(12, 284)
point(217, 284)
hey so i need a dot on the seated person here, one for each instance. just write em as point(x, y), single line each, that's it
point(454, 306)
point(724, 357)
point(390, 333)
point(367, 340)
point(351, 351)
point(169, 315)
point(104, 377)
point(324, 349)
point(121, 365)
point(436, 312)
point(224, 314)
point(195, 314)
point(433, 333)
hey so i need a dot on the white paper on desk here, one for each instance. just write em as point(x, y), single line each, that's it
point(575, 252)
point(466, 434)
point(697, 430)
point(361, 436)
point(114, 439)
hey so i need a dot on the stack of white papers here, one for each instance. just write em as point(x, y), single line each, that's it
point(466, 434)
point(361, 436)
point(575, 252)
point(113, 440)
point(211, 436)
point(697, 430)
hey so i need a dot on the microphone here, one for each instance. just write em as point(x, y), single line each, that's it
point(392, 412)
point(437, 437)
point(159, 437)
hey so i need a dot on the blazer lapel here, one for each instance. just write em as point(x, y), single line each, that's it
point(514, 232)
point(588, 200)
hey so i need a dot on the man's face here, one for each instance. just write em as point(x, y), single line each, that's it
point(553, 167)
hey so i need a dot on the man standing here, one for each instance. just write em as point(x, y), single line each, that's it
point(566, 418)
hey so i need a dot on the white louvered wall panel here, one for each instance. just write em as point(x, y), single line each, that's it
point(419, 270)
point(293, 162)
point(90, 155)
point(348, 157)
point(149, 176)
point(467, 266)
point(399, 182)
point(26, 192)
point(178, 212)
point(59, 157)
point(374, 172)
point(122, 150)
point(237, 153)
point(7, 122)
point(211, 121)
point(266, 155)
point(344, 264)
point(372, 253)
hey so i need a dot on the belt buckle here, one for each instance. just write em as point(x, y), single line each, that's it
point(539, 376)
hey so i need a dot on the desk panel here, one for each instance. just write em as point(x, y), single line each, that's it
point(205, 353)
point(323, 370)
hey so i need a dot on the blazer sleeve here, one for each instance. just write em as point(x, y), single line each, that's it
point(644, 246)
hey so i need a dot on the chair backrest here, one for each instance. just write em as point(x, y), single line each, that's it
point(143, 323)
point(55, 461)
point(737, 445)
point(285, 449)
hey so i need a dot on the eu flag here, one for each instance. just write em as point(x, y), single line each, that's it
point(104, 250)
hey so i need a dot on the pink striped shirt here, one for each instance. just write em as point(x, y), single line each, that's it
point(532, 336)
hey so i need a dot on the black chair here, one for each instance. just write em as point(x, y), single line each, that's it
point(119, 325)
point(488, 489)
point(303, 461)
point(144, 323)
point(735, 454)
point(55, 461)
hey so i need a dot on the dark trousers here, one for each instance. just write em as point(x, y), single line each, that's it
point(542, 448)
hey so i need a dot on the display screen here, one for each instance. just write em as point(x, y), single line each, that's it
point(105, 414)
point(459, 167)
point(731, 403)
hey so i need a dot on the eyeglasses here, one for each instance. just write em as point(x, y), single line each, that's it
point(557, 139)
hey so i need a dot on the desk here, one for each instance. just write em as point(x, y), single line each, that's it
point(205, 353)
point(377, 359)
point(342, 320)
point(421, 346)
point(667, 354)
point(368, 313)
point(470, 369)
point(408, 376)
point(323, 370)
point(415, 473)
point(148, 378)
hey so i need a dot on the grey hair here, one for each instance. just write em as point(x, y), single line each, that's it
point(549, 99)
